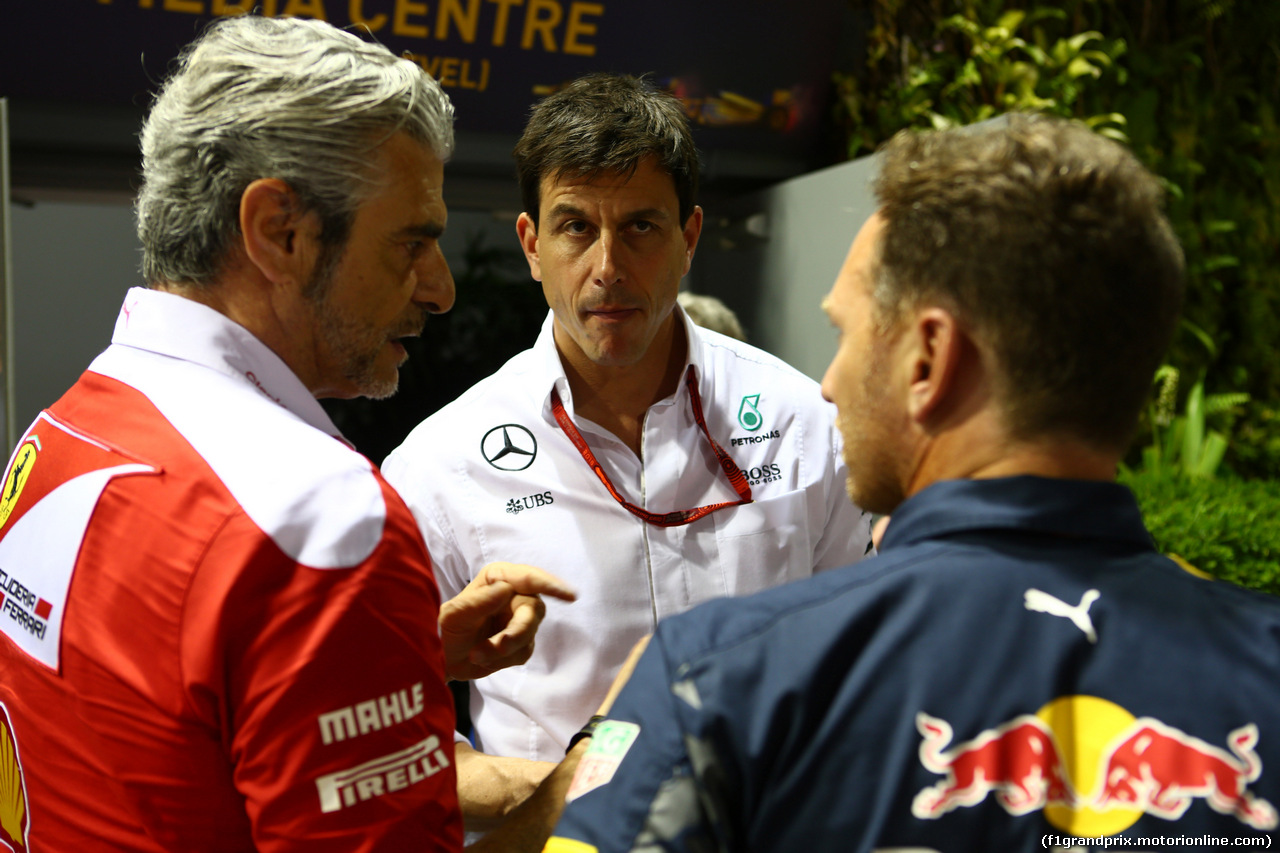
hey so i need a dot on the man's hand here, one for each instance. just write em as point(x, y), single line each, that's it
point(490, 625)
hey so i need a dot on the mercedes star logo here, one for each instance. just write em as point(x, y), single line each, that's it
point(509, 447)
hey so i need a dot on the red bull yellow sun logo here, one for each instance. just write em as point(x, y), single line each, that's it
point(1092, 767)
point(14, 822)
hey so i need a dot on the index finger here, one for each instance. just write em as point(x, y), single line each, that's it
point(528, 580)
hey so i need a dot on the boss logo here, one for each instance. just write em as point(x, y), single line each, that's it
point(770, 473)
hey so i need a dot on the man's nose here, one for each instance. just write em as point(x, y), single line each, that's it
point(435, 290)
point(605, 261)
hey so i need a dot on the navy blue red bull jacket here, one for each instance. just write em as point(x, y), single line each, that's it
point(1018, 670)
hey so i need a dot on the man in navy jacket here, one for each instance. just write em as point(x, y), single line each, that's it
point(1019, 669)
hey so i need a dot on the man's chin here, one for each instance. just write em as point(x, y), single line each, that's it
point(381, 379)
point(381, 389)
point(880, 501)
point(377, 384)
point(617, 353)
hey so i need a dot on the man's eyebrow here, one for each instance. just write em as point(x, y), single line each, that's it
point(572, 211)
point(649, 213)
point(426, 230)
point(563, 208)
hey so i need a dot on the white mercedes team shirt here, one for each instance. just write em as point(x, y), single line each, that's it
point(492, 477)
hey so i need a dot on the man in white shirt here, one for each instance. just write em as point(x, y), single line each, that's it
point(651, 463)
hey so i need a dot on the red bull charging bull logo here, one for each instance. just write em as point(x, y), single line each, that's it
point(1092, 768)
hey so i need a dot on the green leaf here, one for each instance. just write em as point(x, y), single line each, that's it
point(961, 24)
point(1081, 67)
point(1215, 447)
point(1081, 39)
point(1193, 437)
point(1219, 262)
point(1114, 118)
point(1011, 20)
point(1199, 334)
point(1175, 443)
point(1036, 54)
point(1216, 403)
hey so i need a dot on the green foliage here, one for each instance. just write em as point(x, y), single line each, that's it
point(977, 64)
point(1224, 527)
point(1194, 85)
point(1256, 447)
point(1202, 115)
point(1186, 444)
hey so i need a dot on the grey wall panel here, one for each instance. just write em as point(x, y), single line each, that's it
point(72, 264)
point(772, 256)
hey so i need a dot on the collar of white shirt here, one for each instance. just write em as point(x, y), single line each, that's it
point(549, 371)
point(181, 328)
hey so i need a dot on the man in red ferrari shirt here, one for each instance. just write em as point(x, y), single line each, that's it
point(217, 622)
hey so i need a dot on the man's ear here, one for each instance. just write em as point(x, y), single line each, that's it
point(939, 352)
point(527, 231)
point(692, 231)
point(278, 239)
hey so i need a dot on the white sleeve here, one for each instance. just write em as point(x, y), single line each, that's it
point(421, 490)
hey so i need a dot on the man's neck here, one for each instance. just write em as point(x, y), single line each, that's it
point(984, 451)
point(267, 313)
point(617, 397)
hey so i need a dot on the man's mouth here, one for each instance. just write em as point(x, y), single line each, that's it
point(398, 338)
point(611, 312)
point(408, 330)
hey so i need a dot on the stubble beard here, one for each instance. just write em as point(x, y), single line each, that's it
point(354, 347)
point(356, 350)
point(870, 452)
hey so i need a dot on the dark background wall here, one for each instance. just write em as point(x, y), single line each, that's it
point(754, 75)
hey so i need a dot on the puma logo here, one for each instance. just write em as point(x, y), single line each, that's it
point(1043, 602)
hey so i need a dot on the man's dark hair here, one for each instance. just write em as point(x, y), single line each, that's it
point(604, 123)
point(1049, 241)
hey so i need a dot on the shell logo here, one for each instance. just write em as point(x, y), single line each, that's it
point(23, 461)
point(15, 823)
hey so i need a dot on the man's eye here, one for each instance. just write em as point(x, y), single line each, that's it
point(576, 226)
point(642, 226)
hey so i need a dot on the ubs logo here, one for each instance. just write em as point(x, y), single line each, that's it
point(509, 447)
point(515, 506)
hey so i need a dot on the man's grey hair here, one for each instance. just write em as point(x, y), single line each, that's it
point(287, 98)
point(711, 313)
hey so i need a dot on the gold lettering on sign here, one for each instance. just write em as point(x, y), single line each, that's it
point(356, 12)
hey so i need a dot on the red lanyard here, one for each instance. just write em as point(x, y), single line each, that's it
point(665, 519)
